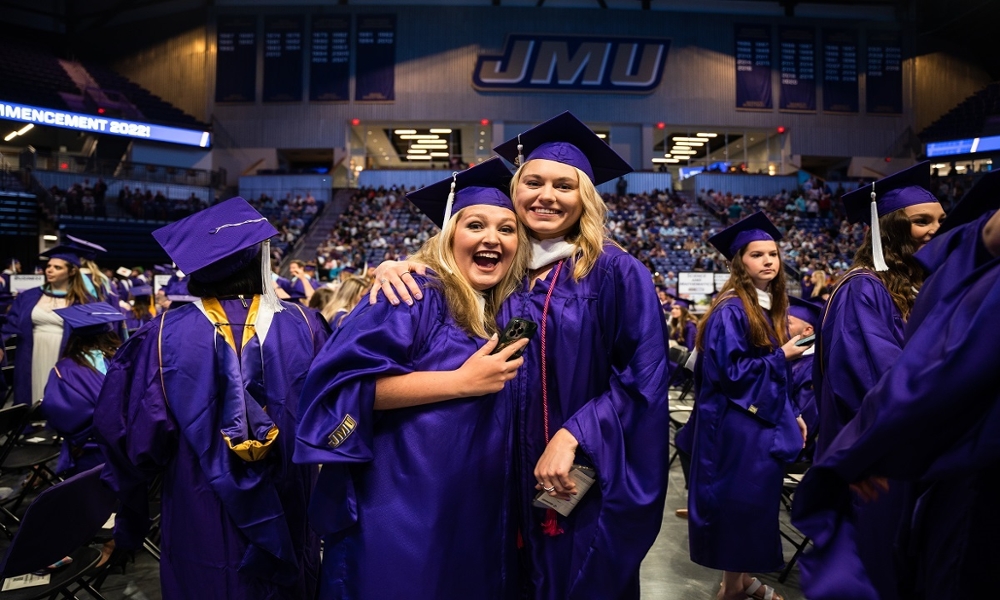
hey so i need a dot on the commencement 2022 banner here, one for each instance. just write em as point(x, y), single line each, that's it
point(330, 59)
point(753, 67)
point(376, 58)
point(884, 81)
point(236, 59)
point(283, 59)
point(840, 71)
point(797, 51)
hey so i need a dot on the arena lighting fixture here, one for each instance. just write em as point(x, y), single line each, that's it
point(666, 160)
point(10, 136)
point(416, 151)
point(440, 154)
point(50, 238)
point(440, 131)
point(417, 157)
point(602, 135)
point(707, 135)
point(405, 131)
point(420, 136)
point(685, 143)
point(687, 139)
point(26, 129)
point(682, 151)
point(431, 146)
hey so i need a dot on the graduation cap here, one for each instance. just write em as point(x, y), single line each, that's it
point(565, 139)
point(806, 310)
point(181, 299)
point(70, 254)
point(123, 272)
point(755, 228)
point(214, 243)
point(868, 203)
point(982, 198)
point(163, 269)
point(142, 290)
point(486, 183)
point(678, 301)
point(90, 318)
point(85, 249)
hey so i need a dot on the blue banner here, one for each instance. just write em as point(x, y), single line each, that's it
point(282, 59)
point(330, 59)
point(376, 58)
point(840, 71)
point(884, 82)
point(573, 64)
point(753, 67)
point(797, 49)
point(236, 59)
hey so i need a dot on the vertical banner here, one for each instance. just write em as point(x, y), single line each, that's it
point(236, 59)
point(330, 59)
point(376, 58)
point(753, 66)
point(798, 68)
point(884, 81)
point(282, 59)
point(840, 71)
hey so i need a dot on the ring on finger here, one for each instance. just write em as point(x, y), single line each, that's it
point(383, 280)
point(549, 489)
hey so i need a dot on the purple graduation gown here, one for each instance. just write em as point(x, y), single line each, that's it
point(934, 419)
point(19, 324)
point(411, 501)
point(743, 431)
point(231, 527)
point(860, 337)
point(68, 405)
point(607, 375)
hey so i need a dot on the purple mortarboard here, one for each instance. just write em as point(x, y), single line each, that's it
point(90, 318)
point(565, 139)
point(678, 301)
point(70, 254)
point(806, 310)
point(486, 183)
point(982, 198)
point(85, 249)
point(899, 190)
point(163, 269)
point(755, 228)
point(142, 290)
point(181, 299)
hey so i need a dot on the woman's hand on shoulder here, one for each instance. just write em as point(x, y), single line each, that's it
point(394, 280)
point(793, 352)
point(485, 373)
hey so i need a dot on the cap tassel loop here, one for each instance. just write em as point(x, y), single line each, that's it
point(268, 298)
point(877, 257)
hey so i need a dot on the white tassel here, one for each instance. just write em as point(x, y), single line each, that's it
point(451, 199)
point(520, 151)
point(268, 297)
point(877, 257)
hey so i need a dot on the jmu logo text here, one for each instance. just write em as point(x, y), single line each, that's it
point(573, 63)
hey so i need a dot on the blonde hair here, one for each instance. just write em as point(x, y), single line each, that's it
point(438, 253)
point(589, 234)
point(345, 298)
point(100, 280)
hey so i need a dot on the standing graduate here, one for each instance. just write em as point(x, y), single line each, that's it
point(932, 420)
point(804, 317)
point(861, 334)
point(207, 395)
point(401, 410)
point(744, 428)
point(142, 310)
point(75, 383)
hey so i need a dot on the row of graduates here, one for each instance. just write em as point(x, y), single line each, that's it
point(433, 447)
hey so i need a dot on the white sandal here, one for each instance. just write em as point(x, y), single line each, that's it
point(755, 584)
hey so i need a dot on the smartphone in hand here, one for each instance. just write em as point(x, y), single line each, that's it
point(806, 341)
point(516, 329)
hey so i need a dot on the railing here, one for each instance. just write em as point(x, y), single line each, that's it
point(115, 169)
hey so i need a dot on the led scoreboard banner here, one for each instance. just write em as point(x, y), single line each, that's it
point(99, 124)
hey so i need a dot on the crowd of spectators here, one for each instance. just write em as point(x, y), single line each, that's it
point(290, 215)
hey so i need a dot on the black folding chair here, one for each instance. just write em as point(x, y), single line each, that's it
point(799, 541)
point(61, 522)
point(30, 454)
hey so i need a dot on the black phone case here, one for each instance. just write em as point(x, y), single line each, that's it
point(516, 329)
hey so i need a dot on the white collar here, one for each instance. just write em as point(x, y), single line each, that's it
point(546, 252)
point(764, 299)
point(810, 350)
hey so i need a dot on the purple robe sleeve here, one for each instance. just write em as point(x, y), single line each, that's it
point(690, 335)
point(135, 430)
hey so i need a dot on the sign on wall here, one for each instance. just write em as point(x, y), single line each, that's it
point(330, 59)
point(840, 71)
point(695, 283)
point(797, 50)
point(283, 59)
point(376, 58)
point(573, 64)
point(753, 67)
point(236, 61)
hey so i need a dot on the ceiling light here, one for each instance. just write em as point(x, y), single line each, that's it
point(602, 135)
point(416, 157)
point(440, 154)
point(687, 139)
point(10, 136)
point(420, 136)
point(50, 238)
point(405, 131)
point(707, 135)
point(686, 143)
point(682, 151)
point(416, 151)
point(440, 131)
point(26, 129)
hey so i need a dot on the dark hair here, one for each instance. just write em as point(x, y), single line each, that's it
point(246, 281)
point(905, 275)
point(79, 346)
point(141, 306)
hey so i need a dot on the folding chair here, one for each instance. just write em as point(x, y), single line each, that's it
point(59, 523)
point(788, 487)
point(32, 456)
point(11, 423)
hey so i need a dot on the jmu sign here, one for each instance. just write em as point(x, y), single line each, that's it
point(573, 64)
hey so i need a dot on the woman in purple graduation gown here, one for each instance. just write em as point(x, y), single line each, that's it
point(401, 410)
point(75, 382)
point(142, 310)
point(861, 334)
point(593, 389)
point(744, 427)
point(683, 325)
point(206, 395)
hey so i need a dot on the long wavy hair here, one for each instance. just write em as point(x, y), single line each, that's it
point(142, 307)
point(762, 334)
point(589, 233)
point(677, 325)
point(76, 292)
point(100, 281)
point(462, 299)
point(345, 298)
point(905, 275)
point(78, 346)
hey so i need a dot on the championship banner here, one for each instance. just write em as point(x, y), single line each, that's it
point(753, 67)
point(798, 68)
point(236, 59)
point(840, 71)
point(330, 59)
point(884, 83)
point(376, 58)
point(283, 59)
